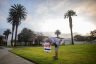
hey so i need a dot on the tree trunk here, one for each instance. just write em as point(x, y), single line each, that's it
point(16, 34)
point(57, 35)
point(25, 44)
point(7, 39)
point(13, 26)
point(72, 36)
point(70, 22)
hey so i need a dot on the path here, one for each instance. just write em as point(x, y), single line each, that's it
point(7, 57)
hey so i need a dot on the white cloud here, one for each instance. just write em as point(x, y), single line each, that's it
point(87, 10)
point(49, 15)
point(41, 9)
point(54, 11)
point(28, 19)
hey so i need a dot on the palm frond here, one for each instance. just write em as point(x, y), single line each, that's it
point(17, 12)
point(70, 13)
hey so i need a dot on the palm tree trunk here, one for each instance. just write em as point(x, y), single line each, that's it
point(57, 35)
point(72, 36)
point(16, 34)
point(70, 22)
point(13, 26)
point(7, 39)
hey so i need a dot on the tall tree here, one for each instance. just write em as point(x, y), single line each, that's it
point(16, 15)
point(11, 21)
point(25, 35)
point(93, 33)
point(57, 33)
point(1, 40)
point(40, 38)
point(6, 33)
point(69, 15)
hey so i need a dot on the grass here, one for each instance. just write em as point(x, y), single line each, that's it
point(69, 54)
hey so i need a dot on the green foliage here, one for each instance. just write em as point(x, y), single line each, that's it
point(80, 38)
point(25, 35)
point(57, 33)
point(69, 13)
point(84, 38)
point(77, 54)
point(17, 12)
point(6, 34)
point(1, 40)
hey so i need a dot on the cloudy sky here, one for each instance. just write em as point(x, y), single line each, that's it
point(48, 15)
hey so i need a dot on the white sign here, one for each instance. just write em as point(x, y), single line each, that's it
point(47, 47)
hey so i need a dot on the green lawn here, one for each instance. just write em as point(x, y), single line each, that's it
point(69, 54)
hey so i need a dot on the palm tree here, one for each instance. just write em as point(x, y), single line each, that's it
point(57, 33)
point(11, 20)
point(69, 15)
point(5, 37)
point(1, 40)
point(6, 33)
point(17, 14)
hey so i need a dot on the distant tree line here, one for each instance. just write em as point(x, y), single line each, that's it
point(4, 37)
point(28, 37)
point(17, 13)
point(1, 40)
point(91, 37)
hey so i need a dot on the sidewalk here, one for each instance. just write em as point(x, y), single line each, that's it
point(7, 57)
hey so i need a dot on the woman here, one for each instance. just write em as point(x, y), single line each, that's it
point(57, 42)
